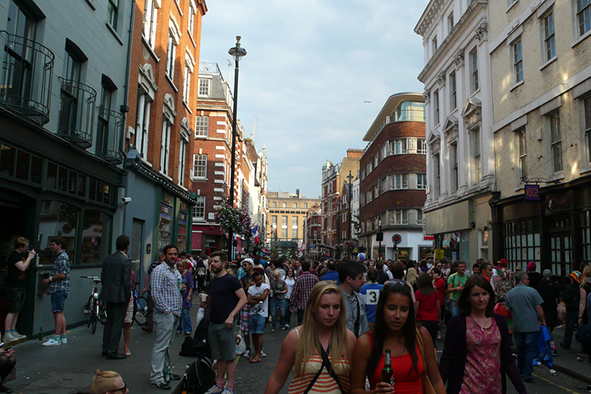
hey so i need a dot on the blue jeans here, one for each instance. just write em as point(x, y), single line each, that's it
point(454, 307)
point(185, 321)
point(278, 308)
point(526, 348)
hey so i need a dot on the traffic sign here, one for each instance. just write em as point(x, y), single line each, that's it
point(396, 238)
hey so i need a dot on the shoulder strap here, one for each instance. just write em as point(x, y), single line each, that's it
point(325, 364)
point(358, 319)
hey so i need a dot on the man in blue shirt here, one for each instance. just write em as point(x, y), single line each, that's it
point(525, 303)
point(332, 273)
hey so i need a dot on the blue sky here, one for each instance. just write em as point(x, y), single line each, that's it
point(310, 67)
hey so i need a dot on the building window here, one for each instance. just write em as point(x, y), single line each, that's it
point(586, 235)
point(400, 181)
point(142, 124)
point(274, 204)
point(200, 166)
point(187, 86)
point(450, 22)
point(294, 227)
point(419, 216)
point(400, 216)
point(555, 141)
point(284, 227)
point(434, 44)
point(201, 126)
point(165, 146)
point(453, 166)
point(474, 83)
point(476, 155)
point(422, 146)
point(305, 205)
point(150, 19)
point(170, 57)
point(549, 38)
point(522, 170)
point(421, 181)
point(199, 209)
point(274, 221)
point(105, 141)
point(191, 22)
point(284, 205)
point(584, 16)
point(436, 176)
point(204, 87)
point(436, 107)
point(453, 98)
point(182, 160)
point(517, 61)
point(522, 243)
point(587, 124)
point(113, 13)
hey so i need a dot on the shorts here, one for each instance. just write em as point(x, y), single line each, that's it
point(222, 341)
point(16, 299)
point(244, 320)
point(257, 324)
point(58, 299)
point(129, 313)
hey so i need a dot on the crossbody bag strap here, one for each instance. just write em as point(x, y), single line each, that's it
point(314, 379)
point(358, 319)
point(328, 365)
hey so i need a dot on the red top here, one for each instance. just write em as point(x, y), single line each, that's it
point(427, 306)
point(407, 380)
point(440, 286)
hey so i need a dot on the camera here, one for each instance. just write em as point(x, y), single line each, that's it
point(125, 200)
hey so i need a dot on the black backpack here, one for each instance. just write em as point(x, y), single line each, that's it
point(193, 348)
point(200, 376)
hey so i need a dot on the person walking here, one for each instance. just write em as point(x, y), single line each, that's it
point(19, 261)
point(226, 298)
point(187, 277)
point(290, 282)
point(477, 351)
point(351, 277)
point(59, 287)
point(455, 285)
point(167, 286)
point(258, 299)
point(574, 299)
point(149, 326)
point(525, 304)
point(428, 305)
point(115, 291)
point(319, 351)
point(278, 300)
point(371, 293)
point(301, 290)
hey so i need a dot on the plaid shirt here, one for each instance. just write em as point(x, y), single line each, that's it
point(301, 290)
point(61, 265)
point(166, 289)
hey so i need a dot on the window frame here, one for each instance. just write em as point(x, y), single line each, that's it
point(165, 146)
point(548, 36)
point(517, 60)
point(200, 166)
point(204, 87)
point(555, 142)
point(200, 206)
point(201, 126)
point(474, 77)
point(583, 18)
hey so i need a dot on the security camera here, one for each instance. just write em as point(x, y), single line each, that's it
point(125, 200)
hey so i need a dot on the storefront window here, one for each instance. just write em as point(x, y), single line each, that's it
point(95, 237)
point(586, 236)
point(522, 243)
point(182, 233)
point(165, 226)
point(57, 219)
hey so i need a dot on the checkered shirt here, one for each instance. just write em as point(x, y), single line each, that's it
point(61, 265)
point(301, 290)
point(165, 283)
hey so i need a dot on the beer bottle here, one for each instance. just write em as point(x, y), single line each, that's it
point(387, 372)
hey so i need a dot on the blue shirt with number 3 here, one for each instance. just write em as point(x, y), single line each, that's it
point(371, 293)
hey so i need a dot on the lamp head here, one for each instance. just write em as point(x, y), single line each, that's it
point(237, 52)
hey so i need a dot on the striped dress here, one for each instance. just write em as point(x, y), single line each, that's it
point(325, 383)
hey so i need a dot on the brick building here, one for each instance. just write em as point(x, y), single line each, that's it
point(393, 180)
point(163, 84)
point(313, 231)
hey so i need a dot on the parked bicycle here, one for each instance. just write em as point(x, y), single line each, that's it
point(94, 309)
point(140, 308)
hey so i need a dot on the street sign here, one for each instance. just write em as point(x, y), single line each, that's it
point(438, 254)
point(396, 238)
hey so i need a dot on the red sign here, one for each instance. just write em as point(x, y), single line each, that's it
point(396, 238)
point(429, 238)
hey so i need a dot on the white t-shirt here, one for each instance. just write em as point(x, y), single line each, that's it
point(260, 308)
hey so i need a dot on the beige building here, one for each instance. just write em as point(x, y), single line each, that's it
point(286, 219)
point(540, 55)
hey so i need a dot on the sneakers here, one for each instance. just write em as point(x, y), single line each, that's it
point(247, 353)
point(215, 390)
point(174, 376)
point(273, 329)
point(52, 342)
point(160, 385)
point(286, 326)
point(8, 337)
point(63, 338)
point(263, 354)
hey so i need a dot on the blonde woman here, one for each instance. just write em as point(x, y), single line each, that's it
point(322, 339)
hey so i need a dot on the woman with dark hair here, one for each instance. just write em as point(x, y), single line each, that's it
point(477, 352)
point(412, 350)
point(428, 304)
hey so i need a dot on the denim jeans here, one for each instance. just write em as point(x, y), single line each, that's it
point(288, 313)
point(454, 308)
point(277, 306)
point(526, 347)
point(572, 317)
point(185, 321)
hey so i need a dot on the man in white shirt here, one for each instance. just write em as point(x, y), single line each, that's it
point(258, 300)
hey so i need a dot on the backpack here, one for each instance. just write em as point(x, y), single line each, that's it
point(194, 348)
point(200, 376)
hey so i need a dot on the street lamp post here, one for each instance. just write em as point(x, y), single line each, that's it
point(236, 52)
point(380, 237)
point(349, 177)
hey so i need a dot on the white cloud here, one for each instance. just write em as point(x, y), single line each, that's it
point(311, 64)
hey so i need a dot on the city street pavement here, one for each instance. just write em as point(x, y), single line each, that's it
point(69, 368)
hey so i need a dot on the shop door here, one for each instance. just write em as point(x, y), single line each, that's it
point(561, 254)
point(136, 247)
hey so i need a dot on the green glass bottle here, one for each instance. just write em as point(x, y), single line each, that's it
point(387, 371)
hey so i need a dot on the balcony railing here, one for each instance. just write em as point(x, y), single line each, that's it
point(109, 137)
point(77, 103)
point(25, 79)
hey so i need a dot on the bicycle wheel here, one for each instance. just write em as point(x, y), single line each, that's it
point(140, 310)
point(94, 316)
point(87, 309)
